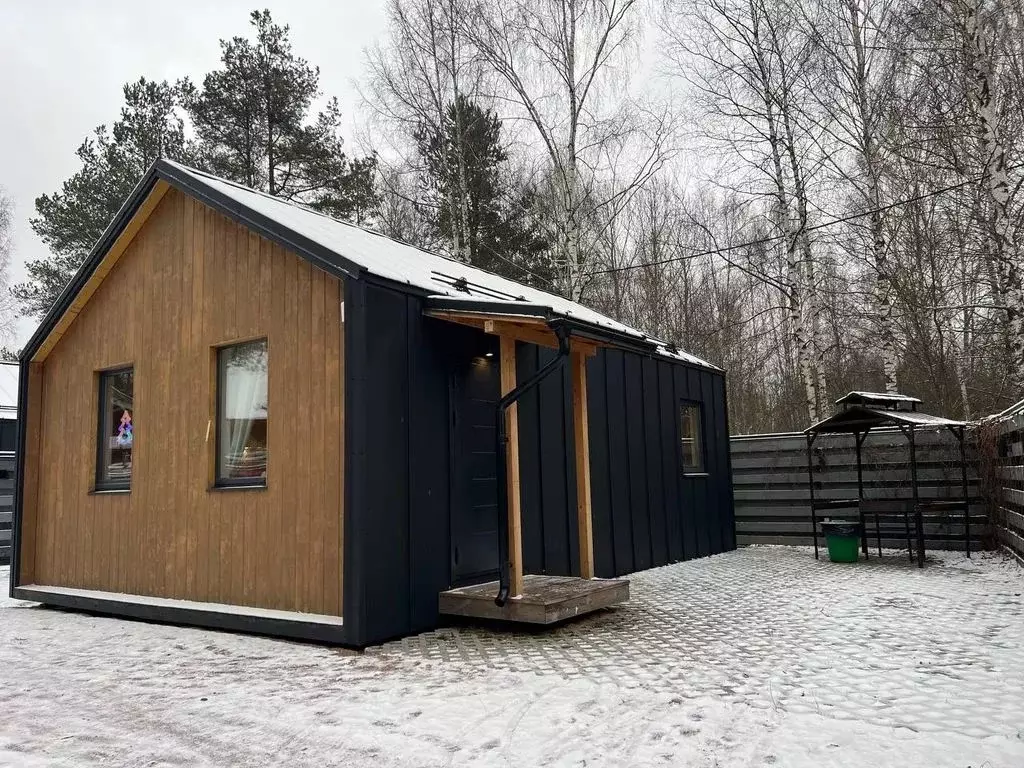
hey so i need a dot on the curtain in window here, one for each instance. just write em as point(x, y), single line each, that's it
point(244, 411)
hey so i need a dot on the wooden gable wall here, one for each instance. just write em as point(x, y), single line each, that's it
point(189, 281)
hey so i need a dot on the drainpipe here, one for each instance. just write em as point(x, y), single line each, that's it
point(504, 571)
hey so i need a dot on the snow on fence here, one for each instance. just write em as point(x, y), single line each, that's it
point(1007, 482)
point(769, 474)
point(6, 505)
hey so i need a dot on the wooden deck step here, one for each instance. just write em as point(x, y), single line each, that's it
point(545, 599)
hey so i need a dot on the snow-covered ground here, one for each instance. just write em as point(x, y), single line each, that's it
point(754, 658)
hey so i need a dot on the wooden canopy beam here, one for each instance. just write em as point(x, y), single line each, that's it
point(581, 435)
point(531, 330)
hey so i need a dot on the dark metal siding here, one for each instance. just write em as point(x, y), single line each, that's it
point(397, 515)
point(547, 468)
point(646, 513)
point(396, 512)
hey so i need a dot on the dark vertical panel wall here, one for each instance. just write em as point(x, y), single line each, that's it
point(618, 462)
point(636, 462)
point(531, 475)
point(646, 513)
point(429, 422)
point(396, 512)
point(653, 455)
point(547, 469)
point(600, 477)
point(670, 461)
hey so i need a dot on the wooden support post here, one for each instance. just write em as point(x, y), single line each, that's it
point(582, 443)
point(515, 525)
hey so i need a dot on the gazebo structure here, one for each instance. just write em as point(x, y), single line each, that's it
point(863, 412)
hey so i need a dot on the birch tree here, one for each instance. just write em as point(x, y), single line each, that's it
point(556, 63)
point(736, 57)
point(981, 28)
point(415, 77)
point(853, 40)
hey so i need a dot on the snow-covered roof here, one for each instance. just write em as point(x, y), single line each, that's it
point(8, 390)
point(390, 259)
point(877, 398)
point(857, 418)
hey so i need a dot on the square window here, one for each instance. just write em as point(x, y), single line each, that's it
point(242, 414)
point(690, 431)
point(116, 430)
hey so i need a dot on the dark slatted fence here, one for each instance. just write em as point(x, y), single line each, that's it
point(773, 503)
point(1008, 515)
point(6, 505)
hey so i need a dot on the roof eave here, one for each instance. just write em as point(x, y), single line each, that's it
point(326, 259)
point(110, 234)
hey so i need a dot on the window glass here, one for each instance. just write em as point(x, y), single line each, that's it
point(117, 429)
point(242, 414)
point(692, 442)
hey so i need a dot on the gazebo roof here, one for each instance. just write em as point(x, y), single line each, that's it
point(861, 418)
point(879, 399)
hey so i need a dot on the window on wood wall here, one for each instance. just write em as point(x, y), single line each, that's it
point(692, 436)
point(242, 414)
point(116, 430)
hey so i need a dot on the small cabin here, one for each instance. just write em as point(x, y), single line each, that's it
point(243, 414)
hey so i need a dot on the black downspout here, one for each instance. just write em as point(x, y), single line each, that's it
point(504, 575)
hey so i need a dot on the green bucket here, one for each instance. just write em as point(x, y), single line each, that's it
point(843, 541)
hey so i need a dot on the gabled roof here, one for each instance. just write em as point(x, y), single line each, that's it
point(347, 250)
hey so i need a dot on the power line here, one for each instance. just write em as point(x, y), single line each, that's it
point(812, 228)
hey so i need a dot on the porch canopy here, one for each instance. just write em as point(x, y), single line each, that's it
point(577, 333)
point(863, 412)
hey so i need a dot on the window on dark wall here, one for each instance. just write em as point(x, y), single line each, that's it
point(691, 432)
point(242, 414)
point(117, 430)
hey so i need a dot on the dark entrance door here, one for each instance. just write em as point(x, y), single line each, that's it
point(475, 390)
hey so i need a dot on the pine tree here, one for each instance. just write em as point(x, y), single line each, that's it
point(499, 210)
point(251, 119)
point(72, 220)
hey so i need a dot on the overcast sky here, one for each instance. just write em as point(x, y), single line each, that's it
point(62, 65)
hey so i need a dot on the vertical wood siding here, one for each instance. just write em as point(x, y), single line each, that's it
point(190, 281)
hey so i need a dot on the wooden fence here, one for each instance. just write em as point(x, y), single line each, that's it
point(773, 503)
point(6, 505)
point(1008, 501)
